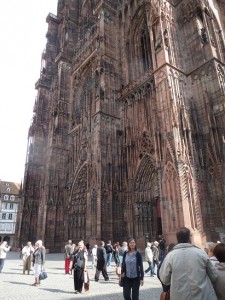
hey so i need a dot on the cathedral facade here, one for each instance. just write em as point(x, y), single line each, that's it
point(128, 131)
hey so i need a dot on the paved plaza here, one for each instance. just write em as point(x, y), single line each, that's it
point(16, 286)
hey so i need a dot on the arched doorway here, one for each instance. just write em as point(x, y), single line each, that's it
point(78, 205)
point(146, 206)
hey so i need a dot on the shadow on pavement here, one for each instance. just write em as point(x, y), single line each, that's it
point(19, 283)
point(144, 294)
point(55, 290)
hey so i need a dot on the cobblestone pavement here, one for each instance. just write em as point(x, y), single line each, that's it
point(16, 286)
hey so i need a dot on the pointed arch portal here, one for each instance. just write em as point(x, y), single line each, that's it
point(146, 208)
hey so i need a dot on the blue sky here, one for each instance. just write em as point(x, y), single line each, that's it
point(22, 31)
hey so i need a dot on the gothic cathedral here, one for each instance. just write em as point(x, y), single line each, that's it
point(128, 131)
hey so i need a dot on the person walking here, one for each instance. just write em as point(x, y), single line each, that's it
point(4, 249)
point(109, 253)
point(188, 270)
point(79, 267)
point(122, 250)
point(149, 259)
point(132, 271)
point(162, 248)
point(101, 262)
point(155, 252)
point(94, 256)
point(166, 288)
point(68, 252)
point(39, 261)
point(27, 253)
point(219, 253)
point(116, 255)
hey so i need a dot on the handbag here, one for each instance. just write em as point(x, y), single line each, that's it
point(43, 275)
point(86, 281)
point(121, 281)
point(86, 277)
point(77, 263)
point(165, 296)
point(118, 271)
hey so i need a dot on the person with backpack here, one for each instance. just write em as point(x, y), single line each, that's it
point(68, 253)
point(109, 253)
point(132, 271)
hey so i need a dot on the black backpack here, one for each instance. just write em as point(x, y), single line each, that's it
point(108, 248)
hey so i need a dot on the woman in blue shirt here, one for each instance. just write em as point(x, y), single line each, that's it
point(132, 270)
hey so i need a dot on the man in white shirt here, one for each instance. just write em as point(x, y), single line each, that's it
point(4, 248)
point(27, 253)
point(149, 259)
point(94, 256)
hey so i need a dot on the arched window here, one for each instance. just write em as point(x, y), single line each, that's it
point(145, 47)
point(139, 48)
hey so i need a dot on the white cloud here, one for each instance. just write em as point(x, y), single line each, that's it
point(22, 33)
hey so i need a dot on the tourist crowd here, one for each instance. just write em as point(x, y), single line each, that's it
point(185, 271)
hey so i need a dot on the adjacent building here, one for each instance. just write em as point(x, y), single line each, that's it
point(10, 195)
point(128, 132)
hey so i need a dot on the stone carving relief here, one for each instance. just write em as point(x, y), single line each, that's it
point(158, 42)
point(221, 75)
point(204, 38)
point(166, 38)
point(146, 145)
point(188, 11)
point(93, 201)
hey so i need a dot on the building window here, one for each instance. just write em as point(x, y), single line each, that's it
point(11, 206)
point(8, 227)
point(12, 197)
point(6, 204)
point(3, 216)
point(145, 49)
point(10, 217)
point(6, 197)
point(8, 189)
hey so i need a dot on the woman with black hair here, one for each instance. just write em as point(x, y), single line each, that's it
point(133, 272)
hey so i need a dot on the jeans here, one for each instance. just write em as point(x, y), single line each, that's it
point(155, 264)
point(161, 255)
point(131, 284)
point(150, 268)
point(109, 258)
point(2, 260)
